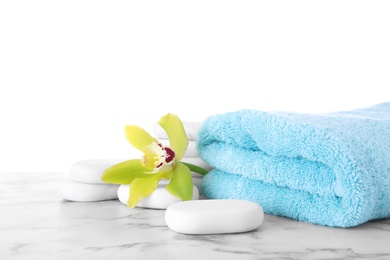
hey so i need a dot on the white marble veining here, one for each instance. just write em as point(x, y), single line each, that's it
point(36, 223)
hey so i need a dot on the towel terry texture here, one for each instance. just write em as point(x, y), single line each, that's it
point(328, 169)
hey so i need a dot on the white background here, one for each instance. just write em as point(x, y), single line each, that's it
point(74, 73)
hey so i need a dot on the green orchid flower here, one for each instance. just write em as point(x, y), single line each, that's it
point(158, 162)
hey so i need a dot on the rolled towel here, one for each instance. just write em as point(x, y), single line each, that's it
point(191, 129)
point(328, 169)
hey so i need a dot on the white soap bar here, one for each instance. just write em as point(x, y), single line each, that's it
point(90, 171)
point(191, 129)
point(214, 216)
point(83, 192)
point(159, 199)
point(191, 148)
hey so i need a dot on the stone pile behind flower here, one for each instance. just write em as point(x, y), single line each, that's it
point(84, 182)
point(191, 155)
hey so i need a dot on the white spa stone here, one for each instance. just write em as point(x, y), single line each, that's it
point(90, 171)
point(191, 129)
point(196, 182)
point(159, 199)
point(84, 192)
point(196, 175)
point(199, 162)
point(214, 216)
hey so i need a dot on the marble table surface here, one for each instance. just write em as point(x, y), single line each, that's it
point(36, 223)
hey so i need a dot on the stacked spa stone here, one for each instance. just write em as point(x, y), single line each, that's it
point(84, 183)
point(191, 155)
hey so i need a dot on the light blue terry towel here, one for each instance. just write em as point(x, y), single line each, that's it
point(327, 169)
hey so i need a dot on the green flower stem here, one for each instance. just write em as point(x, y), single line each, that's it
point(195, 168)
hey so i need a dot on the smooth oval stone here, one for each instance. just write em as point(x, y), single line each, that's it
point(196, 182)
point(91, 171)
point(214, 216)
point(159, 199)
point(83, 192)
point(199, 162)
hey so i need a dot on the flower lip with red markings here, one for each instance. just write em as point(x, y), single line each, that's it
point(158, 156)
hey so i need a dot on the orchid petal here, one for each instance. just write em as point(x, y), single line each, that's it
point(124, 172)
point(143, 187)
point(177, 136)
point(138, 137)
point(180, 185)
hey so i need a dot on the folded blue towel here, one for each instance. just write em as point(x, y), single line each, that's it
point(327, 169)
